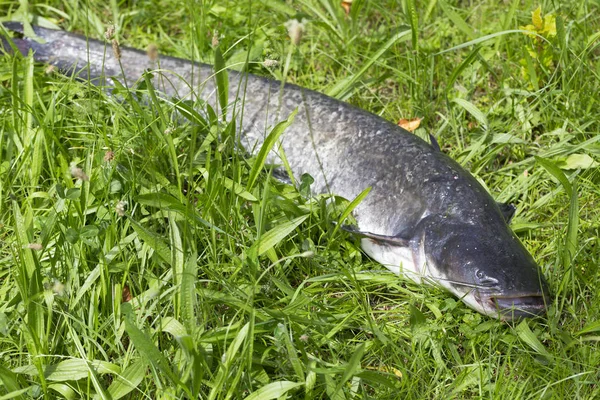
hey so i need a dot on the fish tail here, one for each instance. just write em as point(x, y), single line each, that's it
point(20, 43)
point(71, 54)
point(16, 43)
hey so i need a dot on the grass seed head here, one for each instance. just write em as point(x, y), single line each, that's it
point(296, 30)
point(78, 173)
point(152, 52)
point(116, 49)
point(110, 32)
point(120, 208)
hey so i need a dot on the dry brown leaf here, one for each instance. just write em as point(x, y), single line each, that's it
point(346, 4)
point(410, 124)
point(126, 295)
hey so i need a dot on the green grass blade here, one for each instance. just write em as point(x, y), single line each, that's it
point(221, 379)
point(557, 173)
point(482, 40)
point(353, 204)
point(526, 335)
point(91, 370)
point(22, 226)
point(221, 76)
point(28, 99)
point(238, 189)
point(164, 201)
point(11, 384)
point(562, 36)
point(69, 370)
point(507, 20)
point(16, 394)
point(187, 294)
point(232, 351)
point(322, 17)
point(64, 390)
point(190, 113)
point(352, 368)
point(457, 19)
point(35, 135)
point(128, 380)
point(379, 378)
point(177, 252)
point(414, 23)
point(461, 67)
point(144, 345)
point(590, 327)
point(474, 111)
point(268, 144)
point(292, 353)
point(153, 240)
point(531, 71)
point(154, 102)
point(572, 229)
point(340, 89)
point(279, 7)
point(89, 282)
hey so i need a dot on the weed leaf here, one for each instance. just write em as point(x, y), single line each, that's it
point(273, 390)
point(277, 234)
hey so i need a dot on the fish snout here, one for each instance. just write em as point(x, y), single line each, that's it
point(522, 306)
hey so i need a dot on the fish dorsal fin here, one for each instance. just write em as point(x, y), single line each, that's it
point(434, 142)
point(507, 210)
point(393, 240)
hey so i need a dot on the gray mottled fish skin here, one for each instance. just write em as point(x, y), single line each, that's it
point(425, 217)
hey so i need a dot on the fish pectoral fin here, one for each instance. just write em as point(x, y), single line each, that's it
point(434, 142)
point(282, 176)
point(394, 240)
point(507, 210)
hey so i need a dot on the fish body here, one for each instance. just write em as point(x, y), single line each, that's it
point(425, 217)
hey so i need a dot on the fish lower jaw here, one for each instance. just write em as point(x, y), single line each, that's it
point(517, 307)
point(506, 308)
point(400, 260)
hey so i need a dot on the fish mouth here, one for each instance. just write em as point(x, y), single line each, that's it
point(517, 307)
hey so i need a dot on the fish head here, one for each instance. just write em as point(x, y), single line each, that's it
point(488, 269)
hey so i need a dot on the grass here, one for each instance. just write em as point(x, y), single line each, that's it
point(177, 271)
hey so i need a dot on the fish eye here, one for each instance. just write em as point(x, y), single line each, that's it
point(485, 279)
